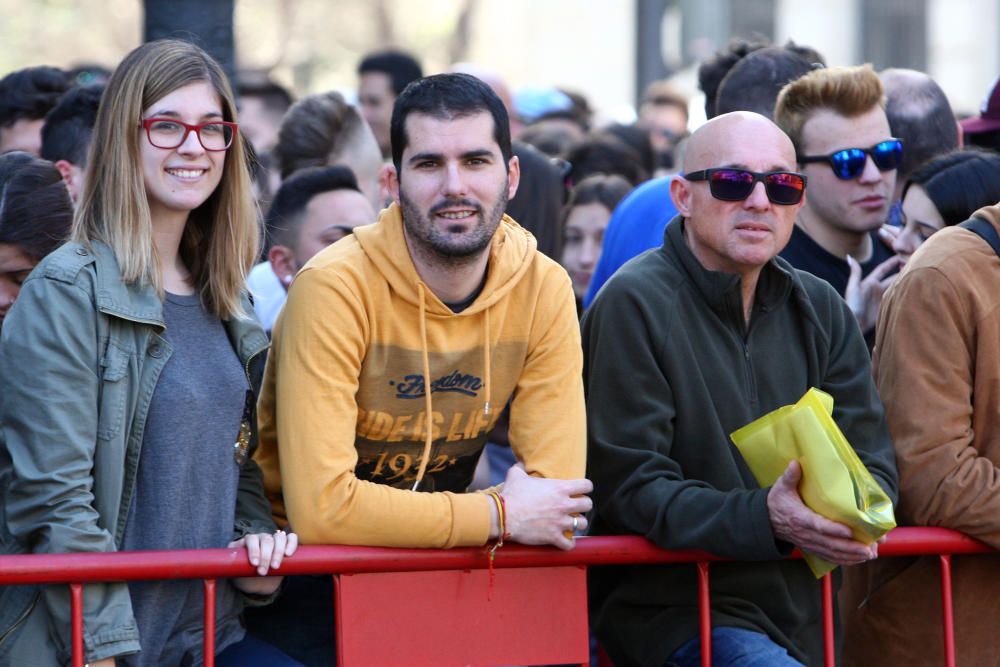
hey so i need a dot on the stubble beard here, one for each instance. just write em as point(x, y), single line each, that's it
point(441, 247)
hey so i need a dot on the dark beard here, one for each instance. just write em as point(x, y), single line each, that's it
point(435, 247)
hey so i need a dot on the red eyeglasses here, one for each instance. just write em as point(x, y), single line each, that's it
point(214, 135)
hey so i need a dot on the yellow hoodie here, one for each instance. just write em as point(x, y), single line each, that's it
point(343, 411)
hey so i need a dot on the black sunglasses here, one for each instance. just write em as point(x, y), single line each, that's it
point(850, 162)
point(782, 187)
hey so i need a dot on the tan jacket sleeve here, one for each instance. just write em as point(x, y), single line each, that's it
point(308, 424)
point(930, 349)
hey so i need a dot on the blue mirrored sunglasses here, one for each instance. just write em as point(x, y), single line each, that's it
point(849, 163)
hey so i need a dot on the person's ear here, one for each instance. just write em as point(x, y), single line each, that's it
point(513, 176)
point(72, 176)
point(680, 194)
point(385, 195)
point(283, 263)
point(391, 180)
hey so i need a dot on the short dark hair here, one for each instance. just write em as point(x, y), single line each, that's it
point(401, 68)
point(29, 93)
point(553, 139)
point(35, 208)
point(920, 115)
point(959, 183)
point(604, 189)
point(67, 129)
point(711, 72)
point(273, 96)
point(285, 214)
point(446, 97)
point(637, 139)
point(605, 154)
point(754, 82)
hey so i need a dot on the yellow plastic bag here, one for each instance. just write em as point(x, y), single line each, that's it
point(835, 483)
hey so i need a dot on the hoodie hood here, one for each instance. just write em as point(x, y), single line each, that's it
point(511, 252)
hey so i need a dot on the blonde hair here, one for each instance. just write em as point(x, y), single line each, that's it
point(221, 239)
point(848, 91)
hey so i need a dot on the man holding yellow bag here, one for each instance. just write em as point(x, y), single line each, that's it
point(686, 344)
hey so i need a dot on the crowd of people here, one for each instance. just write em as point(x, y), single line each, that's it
point(453, 315)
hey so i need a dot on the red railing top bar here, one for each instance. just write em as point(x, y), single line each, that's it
point(202, 563)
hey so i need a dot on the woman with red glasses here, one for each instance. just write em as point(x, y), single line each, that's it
point(130, 366)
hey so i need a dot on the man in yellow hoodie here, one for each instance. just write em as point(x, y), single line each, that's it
point(400, 346)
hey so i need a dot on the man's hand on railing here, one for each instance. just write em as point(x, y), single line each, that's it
point(545, 511)
point(265, 552)
point(793, 522)
point(107, 662)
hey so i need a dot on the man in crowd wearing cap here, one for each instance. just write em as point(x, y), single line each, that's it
point(684, 346)
point(984, 130)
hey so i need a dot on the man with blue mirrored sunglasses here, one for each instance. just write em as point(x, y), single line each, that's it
point(837, 122)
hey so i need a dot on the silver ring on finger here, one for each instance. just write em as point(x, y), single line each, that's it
point(576, 523)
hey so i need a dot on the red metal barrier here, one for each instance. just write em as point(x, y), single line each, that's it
point(210, 564)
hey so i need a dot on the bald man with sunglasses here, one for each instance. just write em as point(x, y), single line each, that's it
point(836, 120)
point(686, 344)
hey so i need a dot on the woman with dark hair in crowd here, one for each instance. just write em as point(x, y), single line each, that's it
point(35, 215)
point(585, 217)
point(945, 191)
point(131, 362)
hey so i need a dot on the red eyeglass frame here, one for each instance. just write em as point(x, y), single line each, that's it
point(188, 129)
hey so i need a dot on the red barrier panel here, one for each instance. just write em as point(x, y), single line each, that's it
point(209, 564)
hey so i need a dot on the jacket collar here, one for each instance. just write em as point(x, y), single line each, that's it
point(114, 297)
point(142, 304)
point(722, 290)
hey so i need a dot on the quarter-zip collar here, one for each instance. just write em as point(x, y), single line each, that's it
point(721, 291)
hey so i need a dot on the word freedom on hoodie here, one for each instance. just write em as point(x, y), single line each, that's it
point(412, 386)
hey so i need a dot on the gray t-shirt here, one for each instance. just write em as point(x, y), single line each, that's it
point(185, 494)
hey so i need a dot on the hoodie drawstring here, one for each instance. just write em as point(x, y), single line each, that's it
point(428, 405)
point(428, 419)
point(486, 360)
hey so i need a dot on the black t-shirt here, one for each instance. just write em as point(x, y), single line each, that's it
point(806, 255)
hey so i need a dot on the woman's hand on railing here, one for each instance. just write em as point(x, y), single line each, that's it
point(265, 552)
point(107, 662)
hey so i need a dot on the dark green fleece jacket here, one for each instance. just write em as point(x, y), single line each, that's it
point(671, 370)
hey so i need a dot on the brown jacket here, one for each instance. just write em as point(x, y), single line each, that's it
point(937, 367)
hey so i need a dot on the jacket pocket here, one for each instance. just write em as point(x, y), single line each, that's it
point(114, 368)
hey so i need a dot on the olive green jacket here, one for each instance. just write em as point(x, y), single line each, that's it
point(80, 355)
